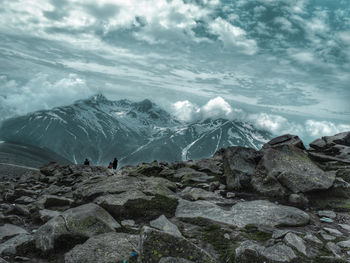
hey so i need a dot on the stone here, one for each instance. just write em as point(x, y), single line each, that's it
point(104, 248)
point(259, 212)
point(298, 200)
point(310, 238)
point(194, 194)
point(162, 223)
point(21, 242)
point(50, 201)
point(174, 260)
point(280, 233)
point(209, 166)
point(334, 249)
point(136, 205)
point(296, 242)
point(291, 168)
point(279, 253)
point(78, 223)
point(24, 200)
point(333, 231)
point(239, 166)
point(46, 215)
point(156, 244)
point(327, 237)
point(249, 251)
point(128, 223)
point(21, 210)
point(345, 227)
point(286, 139)
point(327, 213)
point(344, 244)
point(326, 220)
point(230, 195)
point(9, 230)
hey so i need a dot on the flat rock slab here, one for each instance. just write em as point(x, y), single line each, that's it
point(77, 223)
point(21, 241)
point(162, 223)
point(296, 242)
point(259, 212)
point(105, 248)
point(9, 230)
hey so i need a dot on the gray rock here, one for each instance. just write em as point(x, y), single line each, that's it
point(128, 223)
point(105, 248)
point(24, 200)
point(293, 169)
point(279, 253)
point(3, 260)
point(9, 230)
point(258, 212)
point(333, 231)
point(327, 213)
point(326, 220)
point(239, 166)
point(310, 238)
point(135, 204)
point(209, 166)
point(298, 200)
point(162, 223)
point(345, 227)
point(156, 244)
point(286, 139)
point(21, 242)
point(278, 233)
point(194, 194)
point(334, 249)
point(250, 251)
point(49, 201)
point(327, 237)
point(46, 215)
point(296, 242)
point(77, 223)
point(174, 260)
point(344, 244)
point(230, 195)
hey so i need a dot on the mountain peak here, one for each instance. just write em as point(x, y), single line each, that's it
point(145, 105)
point(99, 97)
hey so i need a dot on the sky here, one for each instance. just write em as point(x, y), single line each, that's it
point(282, 64)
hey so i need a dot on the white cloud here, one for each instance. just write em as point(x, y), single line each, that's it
point(324, 128)
point(233, 37)
point(186, 111)
point(213, 109)
point(41, 93)
point(275, 124)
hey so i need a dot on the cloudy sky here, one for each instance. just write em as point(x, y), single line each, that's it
point(283, 64)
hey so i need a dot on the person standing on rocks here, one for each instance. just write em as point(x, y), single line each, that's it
point(115, 163)
point(86, 162)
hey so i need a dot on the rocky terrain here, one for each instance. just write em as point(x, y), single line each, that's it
point(280, 204)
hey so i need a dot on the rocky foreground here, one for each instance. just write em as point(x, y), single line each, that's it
point(280, 204)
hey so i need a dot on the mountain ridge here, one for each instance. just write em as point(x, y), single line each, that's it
point(101, 129)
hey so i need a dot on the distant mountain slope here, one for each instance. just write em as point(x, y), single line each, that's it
point(100, 129)
point(18, 158)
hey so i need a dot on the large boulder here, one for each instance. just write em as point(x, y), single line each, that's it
point(286, 139)
point(157, 244)
point(162, 223)
point(9, 230)
point(289, 168)
point(88, 190)
point(194, 194)
point(134, 204)
point(21, 243)
point(239, 166)
point(105, 248)
point(74, 226)
point(331, 152)
point(249, 252)
point(259, 212)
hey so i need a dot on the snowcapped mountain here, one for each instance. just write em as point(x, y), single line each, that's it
point(100, 129)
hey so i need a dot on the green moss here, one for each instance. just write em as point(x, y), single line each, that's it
point(214, 235)
point(337, 204)
point(151, 209)
point(251, 232)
